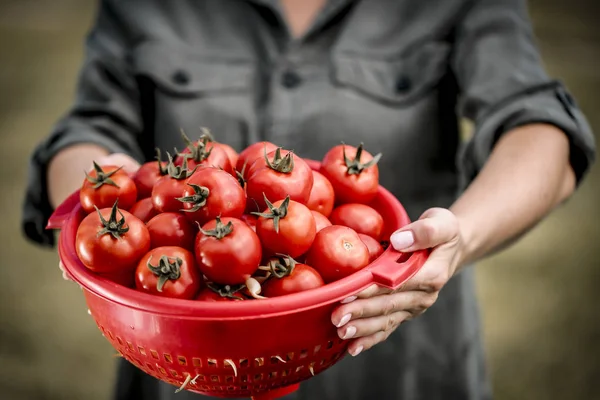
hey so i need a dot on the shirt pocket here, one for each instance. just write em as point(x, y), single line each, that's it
point(396, 81)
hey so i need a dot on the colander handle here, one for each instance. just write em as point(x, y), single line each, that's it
point(396, 268)
point(63, 212)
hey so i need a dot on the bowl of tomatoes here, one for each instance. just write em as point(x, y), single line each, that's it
point(217, 272)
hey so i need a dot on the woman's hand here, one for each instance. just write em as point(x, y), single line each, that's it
point(371, 316)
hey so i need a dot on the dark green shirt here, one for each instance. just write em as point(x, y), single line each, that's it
point(397, 75)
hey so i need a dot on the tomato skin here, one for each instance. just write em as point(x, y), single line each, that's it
point(105, 253)
point(146, 177)
point(171, 229)
point(321, 221)
point(277, 185)
point(218, 158)
point(106, 195)
point(297, 230)
point(226, 198)
point(208, 294)
point(231, 259)
point(251, 153)
point(360, 217)
point(231, 153)
point(358, 188)
point(165, 194)
point(144, 210)
point(302, 278)
point(322, 195)
point(337, 252)
point(124, 278)
point(375, 248)
point(185, 287)
point(251, 220)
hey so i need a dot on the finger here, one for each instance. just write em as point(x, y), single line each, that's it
point(124, 161)
point(371, 291)
point(369, 326)
point(435, 227)
point(65, 275)
point(434, 274)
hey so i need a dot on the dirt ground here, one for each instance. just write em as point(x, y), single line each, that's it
point(539, 298)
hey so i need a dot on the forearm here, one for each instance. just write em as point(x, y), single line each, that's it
point(527, 175)
point(66, 170)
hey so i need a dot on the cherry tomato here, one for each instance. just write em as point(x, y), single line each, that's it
point(171, 229)
point(375, 248)
point(322, 197)
point(285, 174)
point(337, 252)
point(204, 152)
point(360, 217)
point(290, 277)
point(228, 251)
point(104, 185)
point(170, 187)
point(251, 153)
point(220, 293)
point(168, 271)
point(231, 153)
point(321, 221)
point(147, 176)
point(111, 240)
point(210, 193)
point(286, 227)
point(353, 173)
point(251, 220)
point(144, 209)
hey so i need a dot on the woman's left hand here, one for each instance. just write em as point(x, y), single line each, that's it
point(371, 316)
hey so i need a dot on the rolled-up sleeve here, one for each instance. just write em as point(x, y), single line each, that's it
point(105, 112)
point(503, 85)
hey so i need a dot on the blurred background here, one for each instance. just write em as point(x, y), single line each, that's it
point(541, 319)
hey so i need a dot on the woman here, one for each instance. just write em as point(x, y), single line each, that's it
point(309, 74)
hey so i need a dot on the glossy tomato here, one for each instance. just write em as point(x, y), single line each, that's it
point(144, 209)
point(231, 153)
point(285, 174)
point(286, 227)
point(111, 240)
point(170, 187)
point(149, 173)
point(360, 217)
point(353, 173)
point(204, 152)
point(321, 221)
point(251, 153)
point(169, 271)
point(322, 196)
point(251, 220)
point(171, 229)
point(210, 193)
point(104, 185)
point(288, 276)
point(228, 251)
point(337, 252)
point(220, 293)
point(375, 248)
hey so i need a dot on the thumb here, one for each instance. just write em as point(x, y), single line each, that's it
point(435, 227)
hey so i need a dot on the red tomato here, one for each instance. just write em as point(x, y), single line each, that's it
point(251, 220)
point(375, 248)
point(337, 252)
point(285, 175)
point(219, 293)
point(290, 277)
point(144, 209)
point(360, 217)
point(170, 187)
point(322, 196)
point(228, 251)
point(204, 152)
point(124, 278)
point(231, 153)
point(104, 185)
point(321, 221)
point(171, 229)
point(148, 174)
point(251, 153)
point(286, 227)
point(168, 271)
point(353, 173)
point(111, 240)
point(211, 193)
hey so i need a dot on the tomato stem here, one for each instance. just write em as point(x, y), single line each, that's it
point(167, 268)
point(221, 230)
point(112, 226)
point(355, 167)
point(162, 170)
point(198, 150)
point(179, 172)
point(281, 265)
point(102, 178)
point(275, 212)
point(198, 199)
point(228, 291)
point(284, 164)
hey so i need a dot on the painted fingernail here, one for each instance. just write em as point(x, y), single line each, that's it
point(349, 299)
point(350, 332)
point(344, 320)
point(402, 240)
point(356, 351)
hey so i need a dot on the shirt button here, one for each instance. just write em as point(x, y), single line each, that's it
point(181, 77)
point(403, 84)
point(291, 79)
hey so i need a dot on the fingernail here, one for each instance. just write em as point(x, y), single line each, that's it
point(402, 240)
point(344, 320)
point(356, 351)
point(349, 299)
point(350, 332)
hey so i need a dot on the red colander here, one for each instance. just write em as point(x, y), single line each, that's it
point(261, 348)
